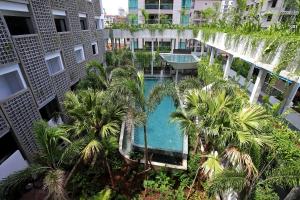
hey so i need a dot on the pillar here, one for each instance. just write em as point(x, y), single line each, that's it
point(195, 46)
point(288, 97)
point(172, 45)
point(176, 43)
point(132, 49)
point(228, 66)
point(258, 86)
point(212, 56)
point(250, 73)
point(176, 76)
point(152, 51)
point(202, 49)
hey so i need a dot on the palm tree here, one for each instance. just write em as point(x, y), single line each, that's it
point(47, 165)
point(226, 123)
point(130, 83)
point(97, 118)
point(97, 77)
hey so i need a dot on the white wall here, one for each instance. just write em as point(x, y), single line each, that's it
point(176, 11)
point(12, 164)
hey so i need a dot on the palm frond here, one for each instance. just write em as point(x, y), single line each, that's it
point(226, 180)
point(212, 166)
point(241, 160)
point(10, 184)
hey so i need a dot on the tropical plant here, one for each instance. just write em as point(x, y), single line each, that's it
point(96, 123)
point(97, 77)
point(48, 164)
point(130, 83)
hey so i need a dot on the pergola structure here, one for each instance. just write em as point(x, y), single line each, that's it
point(180, 61)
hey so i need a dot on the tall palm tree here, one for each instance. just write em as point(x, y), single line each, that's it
point(96, 122)
point(130, 83)
point(47, 165)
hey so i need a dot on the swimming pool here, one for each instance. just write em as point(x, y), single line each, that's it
point(161, 133)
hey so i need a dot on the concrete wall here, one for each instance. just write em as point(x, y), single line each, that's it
point(19, 111)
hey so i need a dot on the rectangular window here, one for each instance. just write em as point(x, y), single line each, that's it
point(51, 110)
point(11, 81)
point(95, 48)
point(97, 23)
point(79, 54)
point(19, 25)
point(274, 3)
point(8, 146)
point(269, 18)
point(54, 63)
point(83, 21)
point(60, 20)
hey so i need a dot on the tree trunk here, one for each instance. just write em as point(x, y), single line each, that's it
point(146, 148)
point(294, 194)
point(194, 181)
point(72, 172)
point(110, 173)
point(196, 145)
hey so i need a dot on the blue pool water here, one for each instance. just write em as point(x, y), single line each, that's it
point(179, 58)
point(161, 133)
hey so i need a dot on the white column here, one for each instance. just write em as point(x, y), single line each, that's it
point(228, 66)
point(176, 76)
point(258, 86)
point(152, 51)
point(172, 45)
point(288, 97)
point(177, 43)
point(250, 73)
point(195, 46)
point(212, 56)
point(202, 49)
point(132, 49)
point(140, 43)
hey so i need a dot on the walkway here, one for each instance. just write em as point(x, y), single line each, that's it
point(290, 115)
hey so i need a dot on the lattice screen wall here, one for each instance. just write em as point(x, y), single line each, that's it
point(22, 109)
point(4, 126)
point(33, 62)
point(7, 53)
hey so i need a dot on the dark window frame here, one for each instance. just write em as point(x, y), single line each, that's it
point(11, 25)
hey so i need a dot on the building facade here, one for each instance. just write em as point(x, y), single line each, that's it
point(44, 47)
point(272, 11)
point(199, 5)
point(167, 11)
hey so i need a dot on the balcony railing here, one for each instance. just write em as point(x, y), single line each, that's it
point(164, 6)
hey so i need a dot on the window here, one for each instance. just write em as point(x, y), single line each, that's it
point(274, 2)
point(17, 17)
point(19, 25)
point(54, 63)
point(269, 18)
point(95, 48)
point(60, 20)
point(97, 23)
point(8, 146)
point(11, 81)
point(83, 21)
point(50, 110)
point(79, 53)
